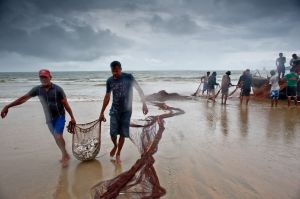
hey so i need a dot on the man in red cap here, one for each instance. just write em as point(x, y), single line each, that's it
point(54, 103)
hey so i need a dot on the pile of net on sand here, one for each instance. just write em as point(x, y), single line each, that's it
point(86, 141)
point(141, 180)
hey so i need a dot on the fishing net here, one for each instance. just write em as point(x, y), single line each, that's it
point(141, 180)
point(86, 141)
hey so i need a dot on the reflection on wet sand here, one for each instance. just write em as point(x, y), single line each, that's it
point(224, 120)
point(62, 188)
point(84, 175)
point(243, 116)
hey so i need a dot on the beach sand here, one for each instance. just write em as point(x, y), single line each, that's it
point(211, 151)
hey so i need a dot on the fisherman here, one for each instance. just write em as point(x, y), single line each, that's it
point(204, 80)
point(121, 85)
point(292, 80)
point(274, 93)
point(280, 61)
point(295, 63)
point(244, 83)
point(226, 83)
point(54, 102)
point(212, 82)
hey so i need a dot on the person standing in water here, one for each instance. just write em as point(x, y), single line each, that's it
point(291, 90)
point(244, 83)
point(54, 102)
point(121, 85)
point(226, 83)
point(274, 93)
point(280, 61)
point(204, 80)
point(212, 82)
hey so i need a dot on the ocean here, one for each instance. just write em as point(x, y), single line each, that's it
point(90, 85)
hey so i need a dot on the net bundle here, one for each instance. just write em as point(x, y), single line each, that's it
point(141, 180)
point(86, 141)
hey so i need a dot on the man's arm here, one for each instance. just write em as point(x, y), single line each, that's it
point(17, 102)
point(142, 96)
point(68, 109)
point(104, 105)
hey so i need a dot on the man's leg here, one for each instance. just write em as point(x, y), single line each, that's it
point(62, 146)
point(296, 100)
point(241, 99)
point(114, 149)
point(247, 100)
point(289, 101)
point(120, 146)
point(226, 96)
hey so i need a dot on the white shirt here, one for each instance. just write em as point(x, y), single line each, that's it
point(274, 83)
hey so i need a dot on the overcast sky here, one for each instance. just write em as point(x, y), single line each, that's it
point(146, 34)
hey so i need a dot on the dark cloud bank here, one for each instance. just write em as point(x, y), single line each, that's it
point(60, 31)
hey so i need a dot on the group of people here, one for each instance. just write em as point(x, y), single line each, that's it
point(291, 79)
point(54, 102)
point(210, 83)
point(245, 82)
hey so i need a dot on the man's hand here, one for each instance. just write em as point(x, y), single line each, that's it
point(73, 120)
point(4, 112)
point(102, 118)
point(145, 109)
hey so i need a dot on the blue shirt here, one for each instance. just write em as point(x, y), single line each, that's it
point(51, 100)
point(122, 89)
point(246, 81)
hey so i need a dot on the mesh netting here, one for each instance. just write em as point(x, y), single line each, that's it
point(141, 180)
point(86, 140)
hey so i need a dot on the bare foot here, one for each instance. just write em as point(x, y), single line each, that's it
point(64, 157)
point(118, 159)
point(65, 161)
point(113, 151)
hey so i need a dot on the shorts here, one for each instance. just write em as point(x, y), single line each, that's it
point(204, 87)
point(245, 92)
point(274, 94)
point(57, 125)
point(225, 91)
point(211, 91)
point(119, 123)
point(291, 91)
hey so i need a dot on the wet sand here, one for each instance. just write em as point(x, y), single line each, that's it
point(211, 151)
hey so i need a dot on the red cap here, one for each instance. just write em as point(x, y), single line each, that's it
point(44, 73)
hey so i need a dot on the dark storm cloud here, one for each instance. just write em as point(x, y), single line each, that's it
point(28, 28)
point(55, 42)
point(180, 25)
point(76, 30)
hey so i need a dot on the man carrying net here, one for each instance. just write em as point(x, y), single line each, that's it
point(54, 102)
point(121, 85)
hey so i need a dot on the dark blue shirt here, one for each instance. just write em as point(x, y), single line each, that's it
point(246, 81)
point(212, 82)
point(51, 100)
point(122, 89)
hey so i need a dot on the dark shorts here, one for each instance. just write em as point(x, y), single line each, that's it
point(57, 125)
point(274, 94)
point(291, 91)
point(119, 123)
point(245, 92)
point(225, 91)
